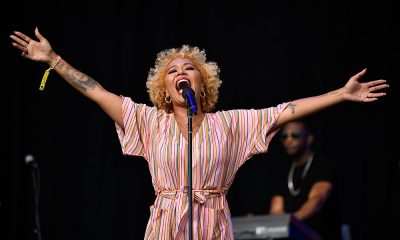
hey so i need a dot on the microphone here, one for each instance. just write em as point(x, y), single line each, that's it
point(188, 94)
point(30, 161)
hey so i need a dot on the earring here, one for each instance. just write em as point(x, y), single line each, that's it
point(168, 99)
point(203, 94)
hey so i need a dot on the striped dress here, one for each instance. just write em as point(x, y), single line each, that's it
point(224, 141)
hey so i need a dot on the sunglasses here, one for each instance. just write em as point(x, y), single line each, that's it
point(294, 135)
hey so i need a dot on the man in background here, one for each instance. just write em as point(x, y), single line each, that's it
point(305, 187)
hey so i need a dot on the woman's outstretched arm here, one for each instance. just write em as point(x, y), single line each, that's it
point(41, 51)
point(353, 91)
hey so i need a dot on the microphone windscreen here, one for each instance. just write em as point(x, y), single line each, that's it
point(29, 158)
point(182, 84)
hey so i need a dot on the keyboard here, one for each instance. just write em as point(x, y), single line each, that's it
point(271, 227)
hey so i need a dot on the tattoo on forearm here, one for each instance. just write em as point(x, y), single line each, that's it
point(80, 80)
point(292, 107)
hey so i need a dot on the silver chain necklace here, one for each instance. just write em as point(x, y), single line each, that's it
point(293, 191)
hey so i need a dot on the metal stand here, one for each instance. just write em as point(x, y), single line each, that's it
point(30, 161)
point(190, 100)
point(36, 190)
point(190, 199)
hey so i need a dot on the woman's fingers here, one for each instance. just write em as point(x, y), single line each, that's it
point(16, 45)
point(19, 41)
point(23, 36)
point(359, 75)
point(378, 87)
point(376, 82)
point(38, 35)
point(375, 95)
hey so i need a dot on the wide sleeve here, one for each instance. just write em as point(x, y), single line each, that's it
point(256, 129)
point(133, 136)
point(263, 129)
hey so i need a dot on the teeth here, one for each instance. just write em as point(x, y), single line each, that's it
point(183, 83)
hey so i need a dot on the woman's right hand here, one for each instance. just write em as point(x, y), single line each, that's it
point(39, 51)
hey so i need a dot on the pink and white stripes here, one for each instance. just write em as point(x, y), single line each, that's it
point(224, 141)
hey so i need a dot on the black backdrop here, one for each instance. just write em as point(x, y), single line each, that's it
point(269, 52)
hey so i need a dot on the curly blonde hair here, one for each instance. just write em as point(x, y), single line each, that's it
point(209, 72)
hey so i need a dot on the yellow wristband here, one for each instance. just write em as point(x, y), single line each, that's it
point(47, 72)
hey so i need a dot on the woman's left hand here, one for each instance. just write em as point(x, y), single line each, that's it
point(363, 92)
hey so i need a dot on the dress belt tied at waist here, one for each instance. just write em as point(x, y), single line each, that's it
point(200, 195)
point(177, 196)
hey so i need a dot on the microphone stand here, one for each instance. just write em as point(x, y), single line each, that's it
point(190, 132)
point(188, 94)
point(36, 189)
point(36, 193)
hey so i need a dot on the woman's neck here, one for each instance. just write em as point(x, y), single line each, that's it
point(181, 115)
